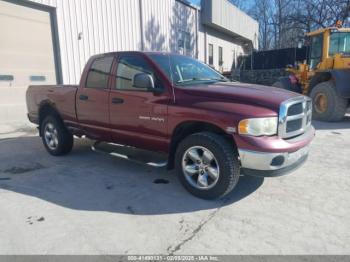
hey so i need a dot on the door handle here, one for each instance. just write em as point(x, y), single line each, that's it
point(83, 97)
point(117, 100)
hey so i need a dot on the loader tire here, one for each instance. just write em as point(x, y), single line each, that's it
point(327, 104)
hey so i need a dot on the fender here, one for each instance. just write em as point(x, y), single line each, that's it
point(342, 82)
point(45, 107)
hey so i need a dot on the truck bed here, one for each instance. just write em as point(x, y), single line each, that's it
point(61, 97)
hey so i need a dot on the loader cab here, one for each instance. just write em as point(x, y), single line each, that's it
point(328, 48)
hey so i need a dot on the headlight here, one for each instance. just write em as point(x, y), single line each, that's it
point(258, 126)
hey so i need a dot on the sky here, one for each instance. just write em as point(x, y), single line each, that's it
point(196, 2)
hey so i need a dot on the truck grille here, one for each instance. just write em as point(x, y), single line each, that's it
point(294, 117)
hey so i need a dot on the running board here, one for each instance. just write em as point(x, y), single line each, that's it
point(130, 153)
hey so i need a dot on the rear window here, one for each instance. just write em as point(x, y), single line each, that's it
point(99, 73)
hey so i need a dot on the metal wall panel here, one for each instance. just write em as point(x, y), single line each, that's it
point(184, 21)
point(223, 15)
point(230, 47)
point(88, 27)
point(156, 16)
point(165, 23)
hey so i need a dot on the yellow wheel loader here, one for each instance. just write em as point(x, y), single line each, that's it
point(326, 75)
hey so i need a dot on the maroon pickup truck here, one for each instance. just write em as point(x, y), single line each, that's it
point(210, 129)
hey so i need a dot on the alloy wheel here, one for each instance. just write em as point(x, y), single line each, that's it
point(200, 168)
point(51, 136)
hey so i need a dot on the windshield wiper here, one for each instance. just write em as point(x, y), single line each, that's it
point(202, 79)
point(193, 79)
point(219, 79)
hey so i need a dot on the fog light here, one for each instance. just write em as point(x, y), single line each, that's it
point(277, 161)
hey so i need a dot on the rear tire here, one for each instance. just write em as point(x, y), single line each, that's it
point(216, 177)
point(56, 138)
point(327, 104)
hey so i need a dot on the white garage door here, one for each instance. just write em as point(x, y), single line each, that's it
point(26, 56)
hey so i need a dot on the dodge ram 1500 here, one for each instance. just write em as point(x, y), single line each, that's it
point(210, 129)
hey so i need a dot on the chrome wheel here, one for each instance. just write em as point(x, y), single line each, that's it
point(200, 168)
point(51, 136)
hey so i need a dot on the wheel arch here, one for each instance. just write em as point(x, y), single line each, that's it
point(319, 78)
point(45, 109)
point(188, 128)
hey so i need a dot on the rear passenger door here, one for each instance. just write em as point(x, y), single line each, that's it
point(92, 99)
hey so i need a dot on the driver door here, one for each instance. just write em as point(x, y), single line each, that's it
point(138, 117)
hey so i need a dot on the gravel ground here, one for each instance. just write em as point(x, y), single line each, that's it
point(88, 203)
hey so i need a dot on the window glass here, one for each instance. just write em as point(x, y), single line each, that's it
point(220, 56)
point(183, 70)
point(211, 54)
point(185, 43)
point(128, 67)
point(234, 59)
point(339, 43)
point(99, 73)
point(316, 50)
point(163, 62)
point(6, 78)
point(37, 78)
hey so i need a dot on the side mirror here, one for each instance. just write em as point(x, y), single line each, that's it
point(143, 80)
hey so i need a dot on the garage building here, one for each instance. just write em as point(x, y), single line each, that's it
point(49, 41)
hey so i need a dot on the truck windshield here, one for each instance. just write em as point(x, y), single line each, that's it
point(182, 70)
point(339, 43)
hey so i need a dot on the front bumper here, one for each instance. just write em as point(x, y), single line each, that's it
point(271, 164)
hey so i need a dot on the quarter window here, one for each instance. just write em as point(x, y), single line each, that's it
point(99, 73)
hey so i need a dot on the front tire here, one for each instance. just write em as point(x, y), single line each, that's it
point(327, 104)
point(207, 165)
point(56, 138)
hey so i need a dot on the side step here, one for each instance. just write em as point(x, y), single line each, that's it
point(130, 153)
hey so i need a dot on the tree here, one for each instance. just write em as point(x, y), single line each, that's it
point(262, 12)
point(283, 22)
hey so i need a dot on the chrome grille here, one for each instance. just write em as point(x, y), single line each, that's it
point(294, 117)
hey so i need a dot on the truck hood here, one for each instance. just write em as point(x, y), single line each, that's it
point(265, 96)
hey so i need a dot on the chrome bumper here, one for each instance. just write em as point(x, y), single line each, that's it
point(264, 163)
